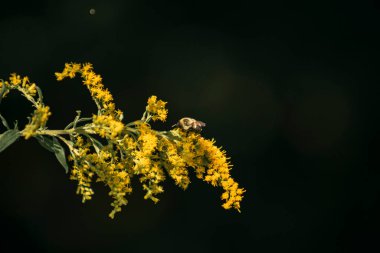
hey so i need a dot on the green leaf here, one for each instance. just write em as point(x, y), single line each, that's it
point(8, 137)
point(53, 145)
point(60, 154)
point(15, 125)
point(76, 121)
point(96, 144)
point(40, 96)
point(46, 142)
point(173, 136)
point(5, 123)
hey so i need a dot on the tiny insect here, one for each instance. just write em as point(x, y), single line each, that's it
point(190, 124)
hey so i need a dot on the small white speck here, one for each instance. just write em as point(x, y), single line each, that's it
point(92, 11)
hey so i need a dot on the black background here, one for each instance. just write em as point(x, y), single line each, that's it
point(288, 88)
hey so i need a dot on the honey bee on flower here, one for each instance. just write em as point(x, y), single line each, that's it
point(190, 124)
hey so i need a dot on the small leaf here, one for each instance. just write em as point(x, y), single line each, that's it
point(8, 137)
point(46, 142)
point(60, 153)
point(15, 125)
point(96, 144)
point(5, 123)
point(172, 136)
point(76, 121)
point(40, 96)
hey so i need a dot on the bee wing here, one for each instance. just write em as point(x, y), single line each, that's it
point(202, 124)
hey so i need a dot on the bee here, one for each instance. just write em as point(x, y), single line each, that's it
point(190, 124)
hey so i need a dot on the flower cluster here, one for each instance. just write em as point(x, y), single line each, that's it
point(218, 173)
point(38, 121)
point(211, 165)
point(24, 83)
point(107, 126)
point(29, 90)
point(102, 97)
point(104, 149)
point(157, 109)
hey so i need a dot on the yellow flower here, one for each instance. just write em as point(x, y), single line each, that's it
point(141, 163)
point(157, 109)
point(84, 176)
point(107, 126)
point(31, 89)
point(59, 76)
point(39, 119)
point(176, 165)
point(129, 143)
point(151, 179)
point(87, 68)
point(129, 150)
point(93, 82)
point(107, 169)
point(147, 139)
point(218, 168)
point(72, 69)
point(15, 79)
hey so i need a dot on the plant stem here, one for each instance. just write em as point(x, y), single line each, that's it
point(68, 131)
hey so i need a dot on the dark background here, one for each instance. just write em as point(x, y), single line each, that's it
point(289, 89)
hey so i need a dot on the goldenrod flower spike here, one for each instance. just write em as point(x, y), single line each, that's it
point(104, 149)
